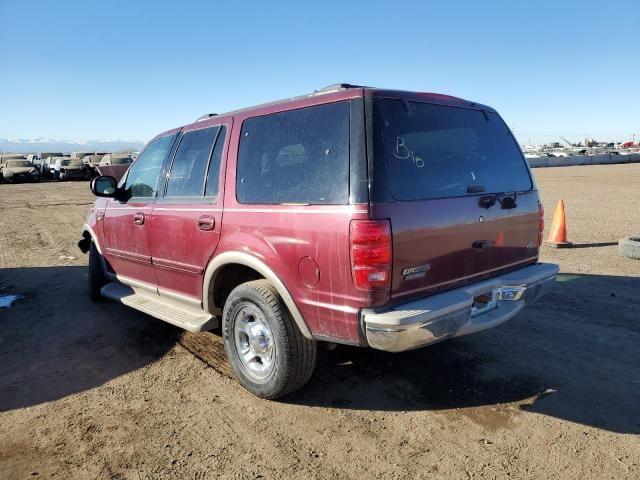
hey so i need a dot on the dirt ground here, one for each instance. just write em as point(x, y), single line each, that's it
point(101, 391)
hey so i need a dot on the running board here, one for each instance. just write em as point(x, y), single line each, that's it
point(171, 311)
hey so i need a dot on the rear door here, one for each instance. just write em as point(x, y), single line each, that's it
point(187, 220)
point(457, 191)
point(126, 223)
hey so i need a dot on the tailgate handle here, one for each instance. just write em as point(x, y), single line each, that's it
point(482, 244)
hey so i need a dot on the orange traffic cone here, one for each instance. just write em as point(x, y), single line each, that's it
point(558, 231)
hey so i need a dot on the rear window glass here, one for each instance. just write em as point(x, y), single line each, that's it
point(436, 151)
point(298, 156)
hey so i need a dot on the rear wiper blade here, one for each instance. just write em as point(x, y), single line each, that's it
point(475, 188)
point(507, 200)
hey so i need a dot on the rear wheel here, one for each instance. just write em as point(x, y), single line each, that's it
point(97, 279)
point(267, 351)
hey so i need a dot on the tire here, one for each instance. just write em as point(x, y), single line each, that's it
point(277, 358)
point(97, 279)
point(630, 247)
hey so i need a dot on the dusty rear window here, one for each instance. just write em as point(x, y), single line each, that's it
point(436, 151)
point(297, 156)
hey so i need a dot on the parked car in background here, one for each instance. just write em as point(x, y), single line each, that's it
point(44, 155)
point(70, 169)
point(47, 167)
point(92, 162)
point(114, 165)
point(81, 154)
point(4, 157)
point(353, 215)
point(115, 159)
point(14, 171)
point(36, 159)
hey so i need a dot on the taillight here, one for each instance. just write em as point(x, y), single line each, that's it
point(371, 254)
point(540, 223)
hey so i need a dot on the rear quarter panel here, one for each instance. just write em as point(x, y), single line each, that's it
point(282, 236)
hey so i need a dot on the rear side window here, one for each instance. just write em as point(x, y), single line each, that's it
point(436, 151)
point(298, 156)
point(188, 170)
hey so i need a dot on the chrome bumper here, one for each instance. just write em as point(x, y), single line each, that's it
point(453, 314)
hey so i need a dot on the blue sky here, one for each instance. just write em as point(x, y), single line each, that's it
point(130, 69)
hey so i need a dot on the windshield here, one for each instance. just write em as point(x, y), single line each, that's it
point(71, 161)
point(120, 160)
point(436, 151)
point(18, 163)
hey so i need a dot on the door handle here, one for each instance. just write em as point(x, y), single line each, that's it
point(206, 223)
point(482, 244)
point(138, 218)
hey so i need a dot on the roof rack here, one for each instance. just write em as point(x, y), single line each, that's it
point(205, 116)
point(337, 86)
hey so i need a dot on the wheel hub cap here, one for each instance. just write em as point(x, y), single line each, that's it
point(254, 342)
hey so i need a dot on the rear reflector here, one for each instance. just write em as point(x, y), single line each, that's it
point(371, 254)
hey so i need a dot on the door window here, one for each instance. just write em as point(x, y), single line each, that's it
point(189, 167)
point(213, 176)
point(142, 179)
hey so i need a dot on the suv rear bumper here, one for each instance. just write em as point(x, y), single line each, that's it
point(453, 314)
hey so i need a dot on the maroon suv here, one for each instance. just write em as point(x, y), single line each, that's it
point(353, 215)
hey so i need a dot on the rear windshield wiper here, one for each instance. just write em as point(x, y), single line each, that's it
point(475, 188)
point(507, 200)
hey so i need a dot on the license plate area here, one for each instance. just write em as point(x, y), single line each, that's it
point(483, 303)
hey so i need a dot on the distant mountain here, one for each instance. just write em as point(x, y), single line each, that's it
point(39, 145)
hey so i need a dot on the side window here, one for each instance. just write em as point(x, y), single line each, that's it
point(189, 167)
point(213, 177)
point(142, 179)
point(298, 156)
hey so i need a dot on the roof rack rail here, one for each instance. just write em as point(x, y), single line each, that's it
point(337, 86)
point(205, 116)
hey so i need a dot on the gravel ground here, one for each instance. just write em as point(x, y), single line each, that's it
point(101, 391)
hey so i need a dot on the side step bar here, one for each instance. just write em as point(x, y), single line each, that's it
point(171, 311)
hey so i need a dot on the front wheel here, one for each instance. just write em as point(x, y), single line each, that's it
point(97, 278)
point(265, 347)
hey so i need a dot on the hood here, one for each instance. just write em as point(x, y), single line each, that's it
point(17, 170)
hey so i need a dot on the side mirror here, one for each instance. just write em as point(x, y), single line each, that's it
point(104, 186)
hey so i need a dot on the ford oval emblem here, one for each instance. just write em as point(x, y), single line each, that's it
point(481, 219)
